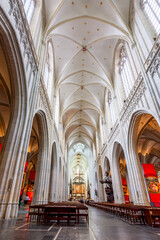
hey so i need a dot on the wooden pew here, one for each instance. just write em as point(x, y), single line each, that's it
point(128, 212)
point(82, 210)
point(36, 212)
point(58, 213)
point(153, 216)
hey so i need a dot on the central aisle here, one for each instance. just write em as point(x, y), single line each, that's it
point(102, 227)
point(107, 227)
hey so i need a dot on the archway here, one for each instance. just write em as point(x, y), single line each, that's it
point(79, 178)
point(33, 185)
point(31, 164)
point(5, 97)
point(78, 171)
point(13, 119)
point(53, 175)
point(147, 139)
point(107, 166)
point(106, 169)
point(121, 179)
point(60, 182)
point(124, 176)
point(96, 188)
point(101, 190)
point(63, 184)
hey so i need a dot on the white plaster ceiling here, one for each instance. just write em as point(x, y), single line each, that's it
point(79, 159)
point(83, 76)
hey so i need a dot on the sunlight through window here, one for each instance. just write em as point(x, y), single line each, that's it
point(29, 6)
point(151, 9)
point(125, 72)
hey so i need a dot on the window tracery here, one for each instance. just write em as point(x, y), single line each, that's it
point(29, 6)
point(151, 9)
point(48, 72)
point(111, 107)
point(125, 72)
point(79, 147)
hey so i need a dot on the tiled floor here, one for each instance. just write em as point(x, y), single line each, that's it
point(102, 226)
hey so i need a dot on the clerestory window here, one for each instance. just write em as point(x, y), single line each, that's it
point(125, 72)
point(48, 73)
point(151, 8)
point(29, 6)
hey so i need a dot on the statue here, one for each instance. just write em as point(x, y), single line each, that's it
point(108, 189)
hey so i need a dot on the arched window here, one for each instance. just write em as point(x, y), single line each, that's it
point(57, 110)
point(151, 9)
point(48, 73)
point(29, 6)
point(125, 72)
point(111, 108)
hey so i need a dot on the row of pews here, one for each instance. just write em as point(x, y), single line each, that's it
point(65, 211)
point(131, 213)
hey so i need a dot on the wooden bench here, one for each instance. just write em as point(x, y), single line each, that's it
point(58, 213)
point(36, 212)
point(155, 216)
point(135, 215)
point(82, 210)
point(128, 212)
point(82, 213)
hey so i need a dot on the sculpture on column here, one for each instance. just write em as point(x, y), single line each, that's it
point(108, 189)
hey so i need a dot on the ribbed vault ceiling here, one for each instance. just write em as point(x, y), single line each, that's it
point(84, 34)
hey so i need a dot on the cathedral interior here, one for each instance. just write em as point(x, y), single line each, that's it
point(79, 119)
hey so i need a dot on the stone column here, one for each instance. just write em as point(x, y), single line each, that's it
point(117, 184)
point(137, 185)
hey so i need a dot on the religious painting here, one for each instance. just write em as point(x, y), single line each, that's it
point(29, 187)
point(153, 185)
point(125, 190)
point(79, 189)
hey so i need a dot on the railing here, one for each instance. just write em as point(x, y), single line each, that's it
point(45, 99)
point(133, 98)
point(152, 55)
point(113, 131)
point(103, 148)
point(17, 10)
point(151, 64)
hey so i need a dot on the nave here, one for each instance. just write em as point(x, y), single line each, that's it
point(102, 226)
point(79, 119)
